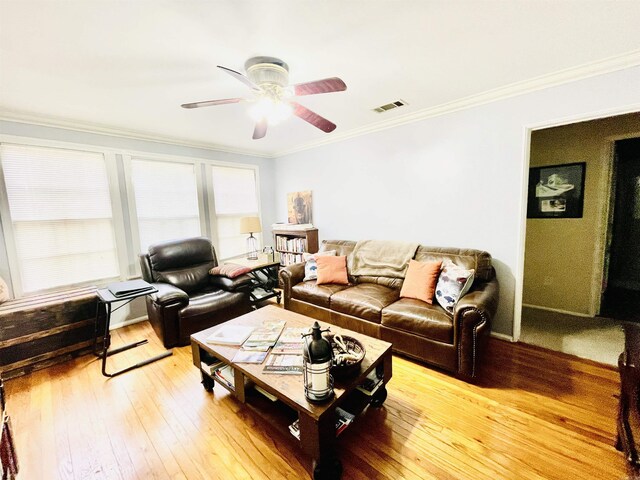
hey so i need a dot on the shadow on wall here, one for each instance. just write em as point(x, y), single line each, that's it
point(503, 321)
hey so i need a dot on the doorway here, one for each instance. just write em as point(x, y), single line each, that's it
point(621, 288)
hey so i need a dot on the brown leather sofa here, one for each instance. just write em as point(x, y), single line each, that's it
point(372, 305)
point(189, 299)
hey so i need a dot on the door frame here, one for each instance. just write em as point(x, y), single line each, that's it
point(607, 156)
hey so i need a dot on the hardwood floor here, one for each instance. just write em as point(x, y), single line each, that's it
point(533, 414)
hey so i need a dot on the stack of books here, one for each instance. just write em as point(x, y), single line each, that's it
point(226, 375)
point(370, 384)
point(343, 420)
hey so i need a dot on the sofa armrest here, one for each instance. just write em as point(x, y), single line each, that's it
point(231, 284)
point(472, 323)
point(290, 276)
point(168, 294)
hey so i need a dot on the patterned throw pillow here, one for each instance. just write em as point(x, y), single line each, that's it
point(453, 283)
point(4, 291)
point(231, 270)
point(310, 266)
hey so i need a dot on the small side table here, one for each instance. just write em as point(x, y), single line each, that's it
point(106, 298)
point(264, 276)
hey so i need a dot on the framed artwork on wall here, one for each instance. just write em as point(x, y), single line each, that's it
point(299, 207)
point(556, 191)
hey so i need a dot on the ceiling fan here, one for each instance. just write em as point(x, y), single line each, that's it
point(271, 95)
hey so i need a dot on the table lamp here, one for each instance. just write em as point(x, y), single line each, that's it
point(251, 225)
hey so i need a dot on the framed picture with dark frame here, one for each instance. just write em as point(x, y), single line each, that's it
point(556, 191)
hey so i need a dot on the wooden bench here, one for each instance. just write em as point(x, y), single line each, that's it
point(39, 331)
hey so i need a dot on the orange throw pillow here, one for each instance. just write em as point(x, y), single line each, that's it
point(420, 280)
point(332, 270)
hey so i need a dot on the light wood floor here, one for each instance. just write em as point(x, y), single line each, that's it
point(534, 414)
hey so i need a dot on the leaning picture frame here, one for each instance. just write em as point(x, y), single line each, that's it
point(556, 191)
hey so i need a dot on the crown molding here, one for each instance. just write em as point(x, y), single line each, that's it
point(608, 65)
point(56, 122)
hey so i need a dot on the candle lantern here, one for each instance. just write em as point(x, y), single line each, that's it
point(317, 358)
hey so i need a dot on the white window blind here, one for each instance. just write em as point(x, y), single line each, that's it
point(235, 195)
point(166, 198)
point(61, 218)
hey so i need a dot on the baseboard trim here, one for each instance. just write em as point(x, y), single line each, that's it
point(128, 322)
point(557, 310)
point(502, 336)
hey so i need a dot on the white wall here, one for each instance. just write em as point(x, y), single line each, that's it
point(453, 180)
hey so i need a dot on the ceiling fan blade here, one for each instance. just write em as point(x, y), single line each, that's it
point(240, 77)
point(313, 118)
point(326, 85)
point(210, 103)
point(260, 130)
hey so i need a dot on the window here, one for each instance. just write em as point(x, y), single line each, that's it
point(166, 201)
point(60, 223)
point(236, 196)
point(67, 219)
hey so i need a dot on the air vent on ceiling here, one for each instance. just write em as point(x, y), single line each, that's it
point(390, 106)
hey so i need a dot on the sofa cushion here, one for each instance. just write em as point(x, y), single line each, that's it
point(420, 282)
point(310, 265)
point(453, 283)
point(332, 269)
point(419, 318)
point(365, 300)
point(317, 294)
point(210, 301)
point(231, 270)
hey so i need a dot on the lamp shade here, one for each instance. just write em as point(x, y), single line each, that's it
point(250, 225)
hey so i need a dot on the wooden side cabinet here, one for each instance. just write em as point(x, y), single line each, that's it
point(292, 243)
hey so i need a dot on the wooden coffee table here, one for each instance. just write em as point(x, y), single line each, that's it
point(317, 421)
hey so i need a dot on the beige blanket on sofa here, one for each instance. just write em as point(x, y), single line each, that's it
point(382, 258)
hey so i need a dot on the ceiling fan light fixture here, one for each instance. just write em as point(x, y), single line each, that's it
point(272, 98)
point(274, 110)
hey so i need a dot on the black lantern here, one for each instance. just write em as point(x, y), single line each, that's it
point(317, 357)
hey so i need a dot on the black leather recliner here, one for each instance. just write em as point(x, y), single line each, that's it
point(189, 299)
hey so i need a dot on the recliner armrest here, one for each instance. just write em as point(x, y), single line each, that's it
point(231, 284)
point(169, 294)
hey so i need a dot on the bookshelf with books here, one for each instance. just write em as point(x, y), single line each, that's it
point(291, 241)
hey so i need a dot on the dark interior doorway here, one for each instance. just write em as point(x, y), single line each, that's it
point(621, 296)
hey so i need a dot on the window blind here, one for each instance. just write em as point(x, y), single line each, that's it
point(166, 198)
point(60, 209)
point(236, 196)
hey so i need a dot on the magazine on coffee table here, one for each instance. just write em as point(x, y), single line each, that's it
point(265, 336)
point(249, 356)
point(290, 342)
point(284, 364)
point(230, 335)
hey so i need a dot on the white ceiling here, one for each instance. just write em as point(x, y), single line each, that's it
point(127, 66)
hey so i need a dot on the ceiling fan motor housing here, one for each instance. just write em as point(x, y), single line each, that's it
point(267, 71)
